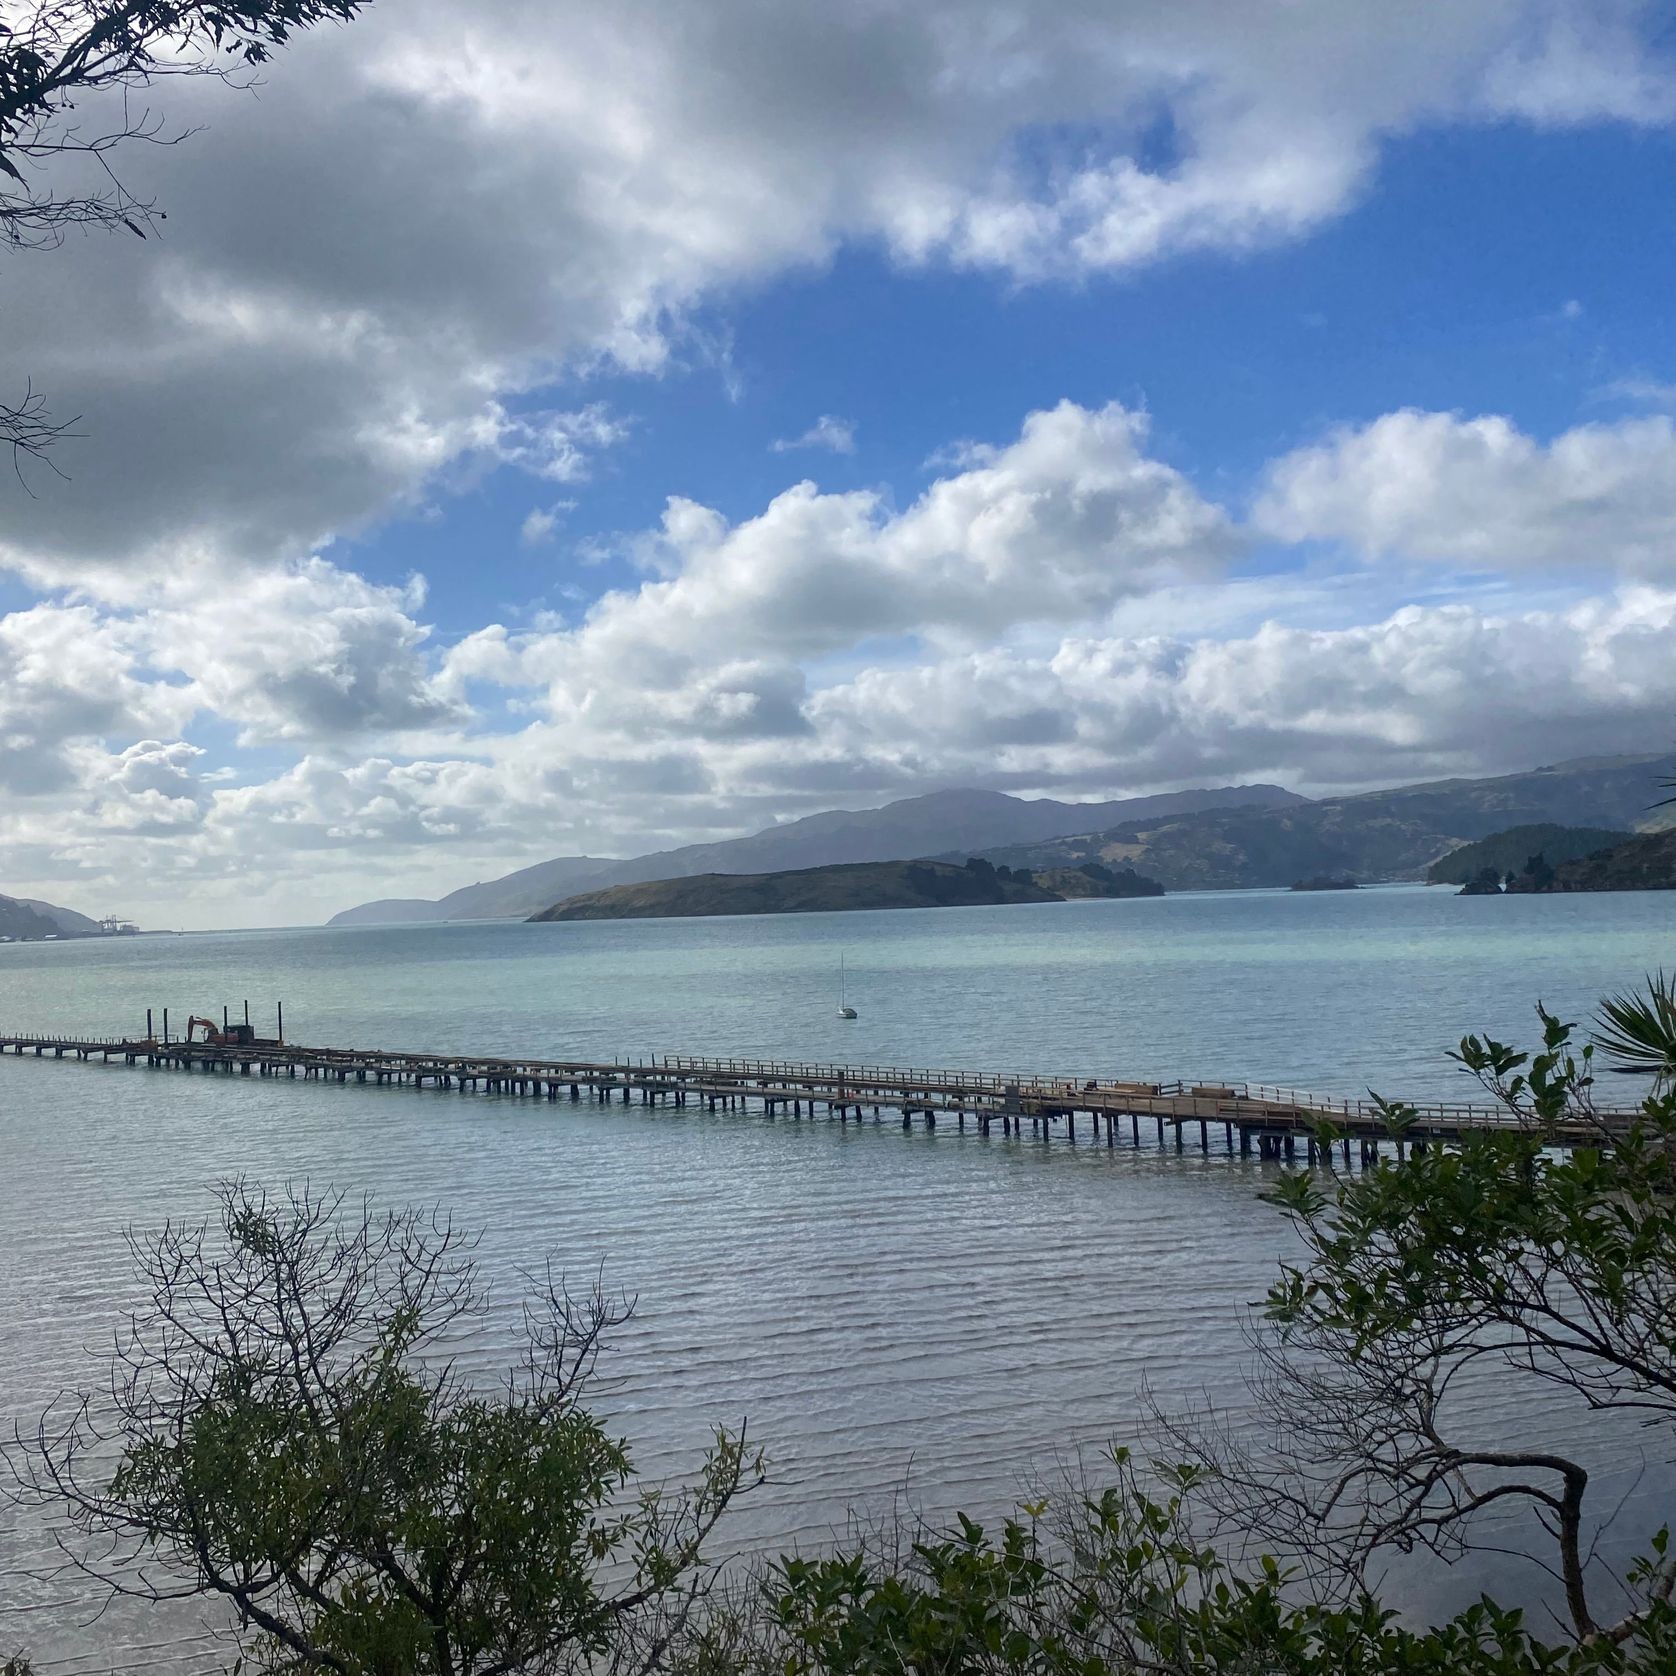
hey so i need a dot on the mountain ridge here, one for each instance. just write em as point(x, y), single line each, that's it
point(963, 820)
point(1382, 835)
point(28, 919)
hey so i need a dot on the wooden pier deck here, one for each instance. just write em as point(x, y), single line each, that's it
point(1270, 1122)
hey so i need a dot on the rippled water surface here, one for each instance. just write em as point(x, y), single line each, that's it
point(936, 1313)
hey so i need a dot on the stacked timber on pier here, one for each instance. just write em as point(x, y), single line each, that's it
point(1271, 1122)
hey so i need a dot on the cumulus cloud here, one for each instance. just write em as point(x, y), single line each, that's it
point(151, 790)
point(69, 676)
point(307, 652)
point(1481, 492)
point(540, 188)
point(828, 431)
point(1056, 525)
point(1425, 691)
point(1016, 625)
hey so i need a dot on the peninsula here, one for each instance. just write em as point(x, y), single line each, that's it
point(1644, 863)
point(849, 886)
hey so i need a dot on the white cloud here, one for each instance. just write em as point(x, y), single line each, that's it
point(541, 523)
point(1426, 691)
point(430, 216)
point(1639, 390)
point(828, 432)
point(1480, 492)
point(1059, 524)
point(1573, 67)
point(152, 789)
point(1053, 614)
point(69, 677)
point(305, 653)
point(556, 446)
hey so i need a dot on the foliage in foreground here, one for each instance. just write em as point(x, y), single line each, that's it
point(1125, 1588)
point(293, 1437)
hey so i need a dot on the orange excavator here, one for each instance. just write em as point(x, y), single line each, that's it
point(233, 1035)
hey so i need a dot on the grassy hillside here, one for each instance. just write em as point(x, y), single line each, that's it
point(1394, 834)
point(854, 885)
point(1644, 863)
point(1507, 852)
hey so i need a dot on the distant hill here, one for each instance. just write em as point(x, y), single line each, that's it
point(68, 921)
point(850, 885)
point(952, 822)
point(389, 910)
point(513, 897)
point(1644, 863)
point(25, 919)
point(1507, 852)
point(1381, 835)
point(19, 920)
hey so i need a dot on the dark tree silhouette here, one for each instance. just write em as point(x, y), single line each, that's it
point(55, 54)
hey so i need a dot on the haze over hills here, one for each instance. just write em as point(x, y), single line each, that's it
point(27, 918)
point(1394, 834)
point(966, 821)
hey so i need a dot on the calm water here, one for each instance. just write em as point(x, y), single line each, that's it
point(935, 1314)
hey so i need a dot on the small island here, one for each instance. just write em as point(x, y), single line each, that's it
point(1484, 883)
point(851, 886)
point(1324, 881)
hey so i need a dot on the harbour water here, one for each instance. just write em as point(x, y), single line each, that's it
point(935, 1316)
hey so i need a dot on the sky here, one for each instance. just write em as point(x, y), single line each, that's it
point(543, 428)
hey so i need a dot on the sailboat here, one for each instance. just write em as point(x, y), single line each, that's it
point(845, 1010)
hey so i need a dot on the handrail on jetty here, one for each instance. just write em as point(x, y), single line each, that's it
point(1272, 1122)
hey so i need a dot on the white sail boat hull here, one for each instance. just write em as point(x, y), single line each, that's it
point(845, 1010)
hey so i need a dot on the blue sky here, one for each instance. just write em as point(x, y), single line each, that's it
point(1489, 269)
point(1222, 392)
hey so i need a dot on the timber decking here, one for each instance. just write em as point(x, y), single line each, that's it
point(1270, 1120)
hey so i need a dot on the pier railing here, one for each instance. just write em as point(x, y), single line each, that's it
point(771, 1084)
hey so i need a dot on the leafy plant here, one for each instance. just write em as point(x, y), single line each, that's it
point(1638, 1029)
point(292, 1435)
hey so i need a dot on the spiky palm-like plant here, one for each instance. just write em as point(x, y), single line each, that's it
point(1637, 1029)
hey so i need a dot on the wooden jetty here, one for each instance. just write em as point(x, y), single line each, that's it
point(1268, 1122)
